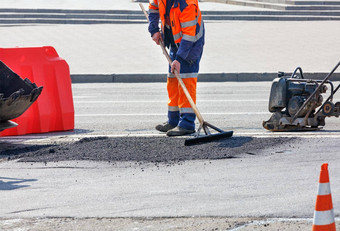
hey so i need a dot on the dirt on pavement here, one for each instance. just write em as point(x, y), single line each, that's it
point(140, 149)
point(156, 224)
point(156, 150)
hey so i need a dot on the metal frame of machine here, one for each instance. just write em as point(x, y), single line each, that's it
point(297, 103)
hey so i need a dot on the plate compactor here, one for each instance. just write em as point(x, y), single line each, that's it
point(297, 103)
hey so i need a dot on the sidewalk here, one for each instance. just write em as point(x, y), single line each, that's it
point(103, 5)
point(232, 48)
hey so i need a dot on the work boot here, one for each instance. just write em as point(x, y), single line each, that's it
point(164, 127)
point(178, 131)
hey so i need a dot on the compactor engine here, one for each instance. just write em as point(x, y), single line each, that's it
point(297, 104)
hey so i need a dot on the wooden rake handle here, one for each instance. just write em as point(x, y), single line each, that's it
point(185, 90)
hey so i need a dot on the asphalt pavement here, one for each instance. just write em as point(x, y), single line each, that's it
point(254, 188)
point(135, 172)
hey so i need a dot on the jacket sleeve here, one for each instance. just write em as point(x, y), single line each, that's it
point(153, 17)
point(188, 20)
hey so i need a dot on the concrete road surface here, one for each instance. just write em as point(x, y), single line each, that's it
point(136, 108)
point(275, 182)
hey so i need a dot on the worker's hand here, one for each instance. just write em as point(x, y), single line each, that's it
point(157, 37)
point(175, 65)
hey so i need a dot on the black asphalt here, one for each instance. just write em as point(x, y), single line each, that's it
point(141, 149)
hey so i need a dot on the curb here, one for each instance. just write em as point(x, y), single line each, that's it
point(204, 77)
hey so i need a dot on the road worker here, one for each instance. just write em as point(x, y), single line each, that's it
point(182, 31)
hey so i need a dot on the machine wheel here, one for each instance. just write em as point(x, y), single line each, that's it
point(337, 104)
point(321, 121)
point(328, 108)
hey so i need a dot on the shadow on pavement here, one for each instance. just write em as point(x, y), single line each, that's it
point(235, 142)
point(14, 183)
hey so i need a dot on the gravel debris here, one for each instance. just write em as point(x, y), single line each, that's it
point(140, 149)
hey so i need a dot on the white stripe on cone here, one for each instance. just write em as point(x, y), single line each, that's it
point(323, 217)
point(324, 189)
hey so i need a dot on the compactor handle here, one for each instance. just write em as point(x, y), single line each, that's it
point(316, 90)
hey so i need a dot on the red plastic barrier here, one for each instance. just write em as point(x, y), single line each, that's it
point(53, 110)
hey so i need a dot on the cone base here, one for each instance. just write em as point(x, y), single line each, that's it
point(330, 227)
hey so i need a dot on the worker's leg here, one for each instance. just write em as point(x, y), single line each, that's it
point(187, 115)
point(188, 74)
point(173, 109)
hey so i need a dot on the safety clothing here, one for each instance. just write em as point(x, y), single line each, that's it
point(186, 24)
point(178, 131)
point(186, 46)
point(164, 127)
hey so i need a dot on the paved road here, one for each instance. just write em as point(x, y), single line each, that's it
point(267, 182)
point(279, 181)
point(137, 108)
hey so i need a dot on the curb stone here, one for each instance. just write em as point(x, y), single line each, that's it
point(204, 77)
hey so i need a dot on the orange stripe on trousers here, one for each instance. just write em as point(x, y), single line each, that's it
point(176, 93)
point(172, 87)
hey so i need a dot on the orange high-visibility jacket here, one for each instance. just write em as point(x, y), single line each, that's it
point(186, 25)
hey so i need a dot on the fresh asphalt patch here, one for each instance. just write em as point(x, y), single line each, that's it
point(141, 149)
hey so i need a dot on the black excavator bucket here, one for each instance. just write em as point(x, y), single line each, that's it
point(16, 96)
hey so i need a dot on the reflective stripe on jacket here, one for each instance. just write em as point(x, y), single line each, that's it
point(186, 24)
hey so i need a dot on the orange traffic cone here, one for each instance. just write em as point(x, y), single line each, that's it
point(324, 214)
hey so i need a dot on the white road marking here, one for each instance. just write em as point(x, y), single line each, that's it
point(161, 114)
point(64, 137)
point(162, 101)
point(274, 220)
point(268, 134)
